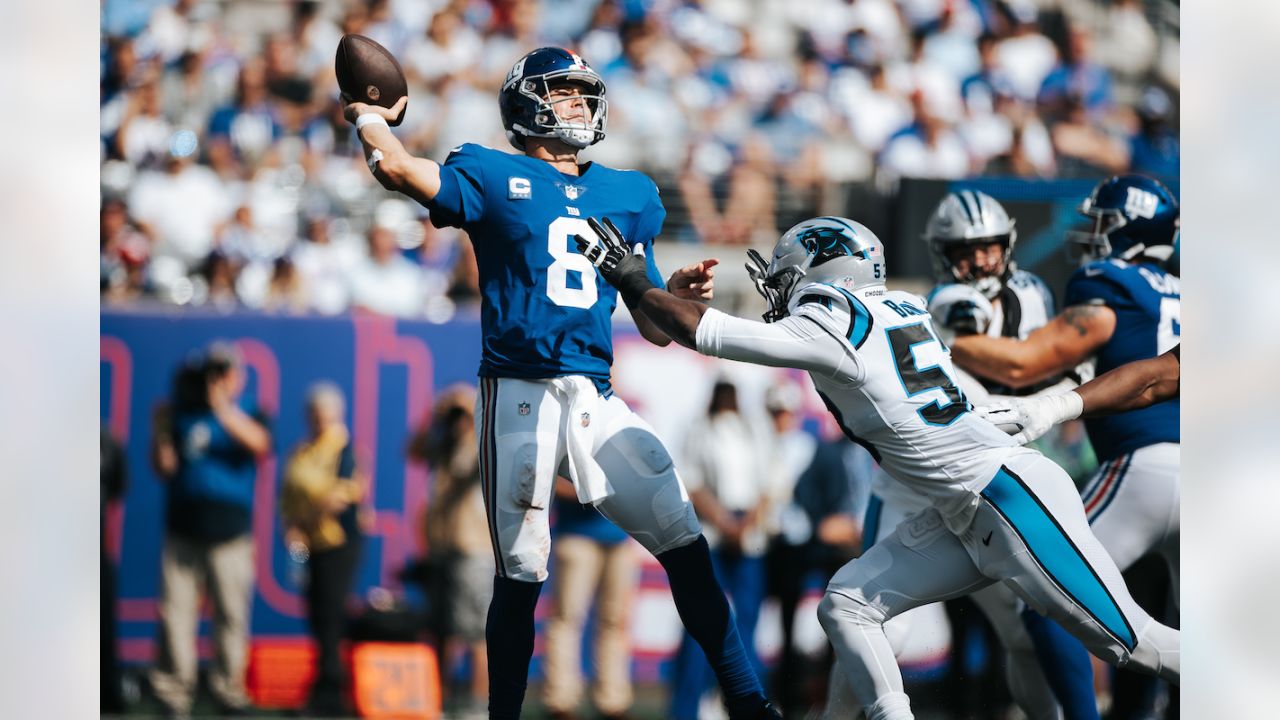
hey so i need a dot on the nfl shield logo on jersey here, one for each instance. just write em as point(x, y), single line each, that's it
point(586, 419)
point(523, 408)
point(572, 191)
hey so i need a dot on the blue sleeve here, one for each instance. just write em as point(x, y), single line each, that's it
point(346, 463)
point(648, 226)
point(460, 200)
point(1093, 284)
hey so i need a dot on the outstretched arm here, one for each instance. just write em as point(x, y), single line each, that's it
point(1131, 386)
point(1062, 344)
point(392, 165)
point(792, 342)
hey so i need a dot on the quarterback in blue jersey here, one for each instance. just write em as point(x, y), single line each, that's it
point(1122, 307)
point(545, 405)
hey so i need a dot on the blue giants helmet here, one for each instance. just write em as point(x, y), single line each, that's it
point(527, 110)
point(1132, 215)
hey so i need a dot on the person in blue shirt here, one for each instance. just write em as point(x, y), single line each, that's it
point(1123, 306)
point(545, 405)
point(206, 448)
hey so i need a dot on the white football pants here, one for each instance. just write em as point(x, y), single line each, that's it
point(521, 430)
point(1030, 533)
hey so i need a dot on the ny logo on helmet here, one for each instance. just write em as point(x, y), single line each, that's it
point(1140, 203)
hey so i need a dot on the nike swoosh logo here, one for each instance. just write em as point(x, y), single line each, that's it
point(987, 540)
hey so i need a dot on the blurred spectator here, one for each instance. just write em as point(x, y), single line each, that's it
point(874, 109)
point(594, 564)
point(205, 447)
point(181, 207)
point(981, 89)
point(791, 450)
point(123, 254)
point(1025, 56)
point(928, 148)
point(1076, 75)
point(285, 292)
point(144, 133)
point(457, 532)
point(730, 489)
point(1127, 43)
point(240, 135)
point(449, 48)
point(114, 480)
point(175, 29)
point(322, 265)
point(319, 503)
point(386, 282)
point(217, 282)
point(1155, 149)
point(190, 94)
point(1083, 148)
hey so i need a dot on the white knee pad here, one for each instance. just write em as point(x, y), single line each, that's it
point(847, 606)
point(649, 501)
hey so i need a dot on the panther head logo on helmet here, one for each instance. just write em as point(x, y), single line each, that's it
point(823, 249)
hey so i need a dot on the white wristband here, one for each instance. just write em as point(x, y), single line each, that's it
point(370, 119)
point(1067, 406)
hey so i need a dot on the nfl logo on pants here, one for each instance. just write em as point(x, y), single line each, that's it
point(523, 408)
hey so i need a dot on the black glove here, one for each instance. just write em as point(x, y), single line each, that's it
point(623, 269)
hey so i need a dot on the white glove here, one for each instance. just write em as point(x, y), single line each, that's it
point(961, 309)
point(1028, 418)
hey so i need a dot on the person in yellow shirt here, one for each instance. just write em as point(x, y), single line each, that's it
point(320, 503)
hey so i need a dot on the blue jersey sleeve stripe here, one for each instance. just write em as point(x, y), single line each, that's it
point(1055, 553)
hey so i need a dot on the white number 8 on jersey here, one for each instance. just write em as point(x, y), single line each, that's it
point(559, 238)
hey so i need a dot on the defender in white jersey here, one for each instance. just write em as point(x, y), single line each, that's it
point(971, 239)
point(997, 512)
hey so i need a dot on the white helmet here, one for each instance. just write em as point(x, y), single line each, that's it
point(970, 217)
point(823, 249)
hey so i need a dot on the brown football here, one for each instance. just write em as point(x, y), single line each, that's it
point(368, 73)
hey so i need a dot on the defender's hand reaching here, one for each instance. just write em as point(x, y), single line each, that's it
point(694, 282)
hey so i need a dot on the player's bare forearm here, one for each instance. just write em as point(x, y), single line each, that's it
point(395, 169)
point(649, 330)
point(1062, 344)
point(1133, 385)
point(675, 317)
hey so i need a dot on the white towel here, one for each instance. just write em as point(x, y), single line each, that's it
point(586, 474)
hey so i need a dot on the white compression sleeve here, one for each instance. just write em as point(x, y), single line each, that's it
point(793, 342)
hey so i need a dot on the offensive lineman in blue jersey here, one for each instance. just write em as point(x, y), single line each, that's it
point(545, 405)
point(1124, 306)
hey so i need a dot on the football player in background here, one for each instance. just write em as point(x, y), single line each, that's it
point(997, 512)
point(980, 290)
point(545, 404)
point(1121, 307)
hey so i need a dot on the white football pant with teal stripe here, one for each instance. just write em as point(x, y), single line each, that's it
point(1030, 533)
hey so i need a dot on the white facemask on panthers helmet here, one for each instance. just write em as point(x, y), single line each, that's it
point(824, 249)
point(970, 217)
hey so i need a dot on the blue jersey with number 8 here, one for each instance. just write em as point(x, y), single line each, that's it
point(1147, 302)
point(545, 310)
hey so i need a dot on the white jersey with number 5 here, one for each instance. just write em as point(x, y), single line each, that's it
point(886, 377)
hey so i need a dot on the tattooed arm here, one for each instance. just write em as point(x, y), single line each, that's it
point(1061, 345)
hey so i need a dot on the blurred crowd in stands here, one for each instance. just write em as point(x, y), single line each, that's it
point(230, 179)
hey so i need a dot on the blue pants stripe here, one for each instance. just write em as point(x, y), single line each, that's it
point(1056, 554)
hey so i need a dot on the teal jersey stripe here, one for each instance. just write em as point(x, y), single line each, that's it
point(1056, 554)
point(860, 321)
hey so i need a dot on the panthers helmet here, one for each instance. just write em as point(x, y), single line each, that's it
point(1132, 215)
point(970, 217)
point(525, 99)
point(822, 249)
